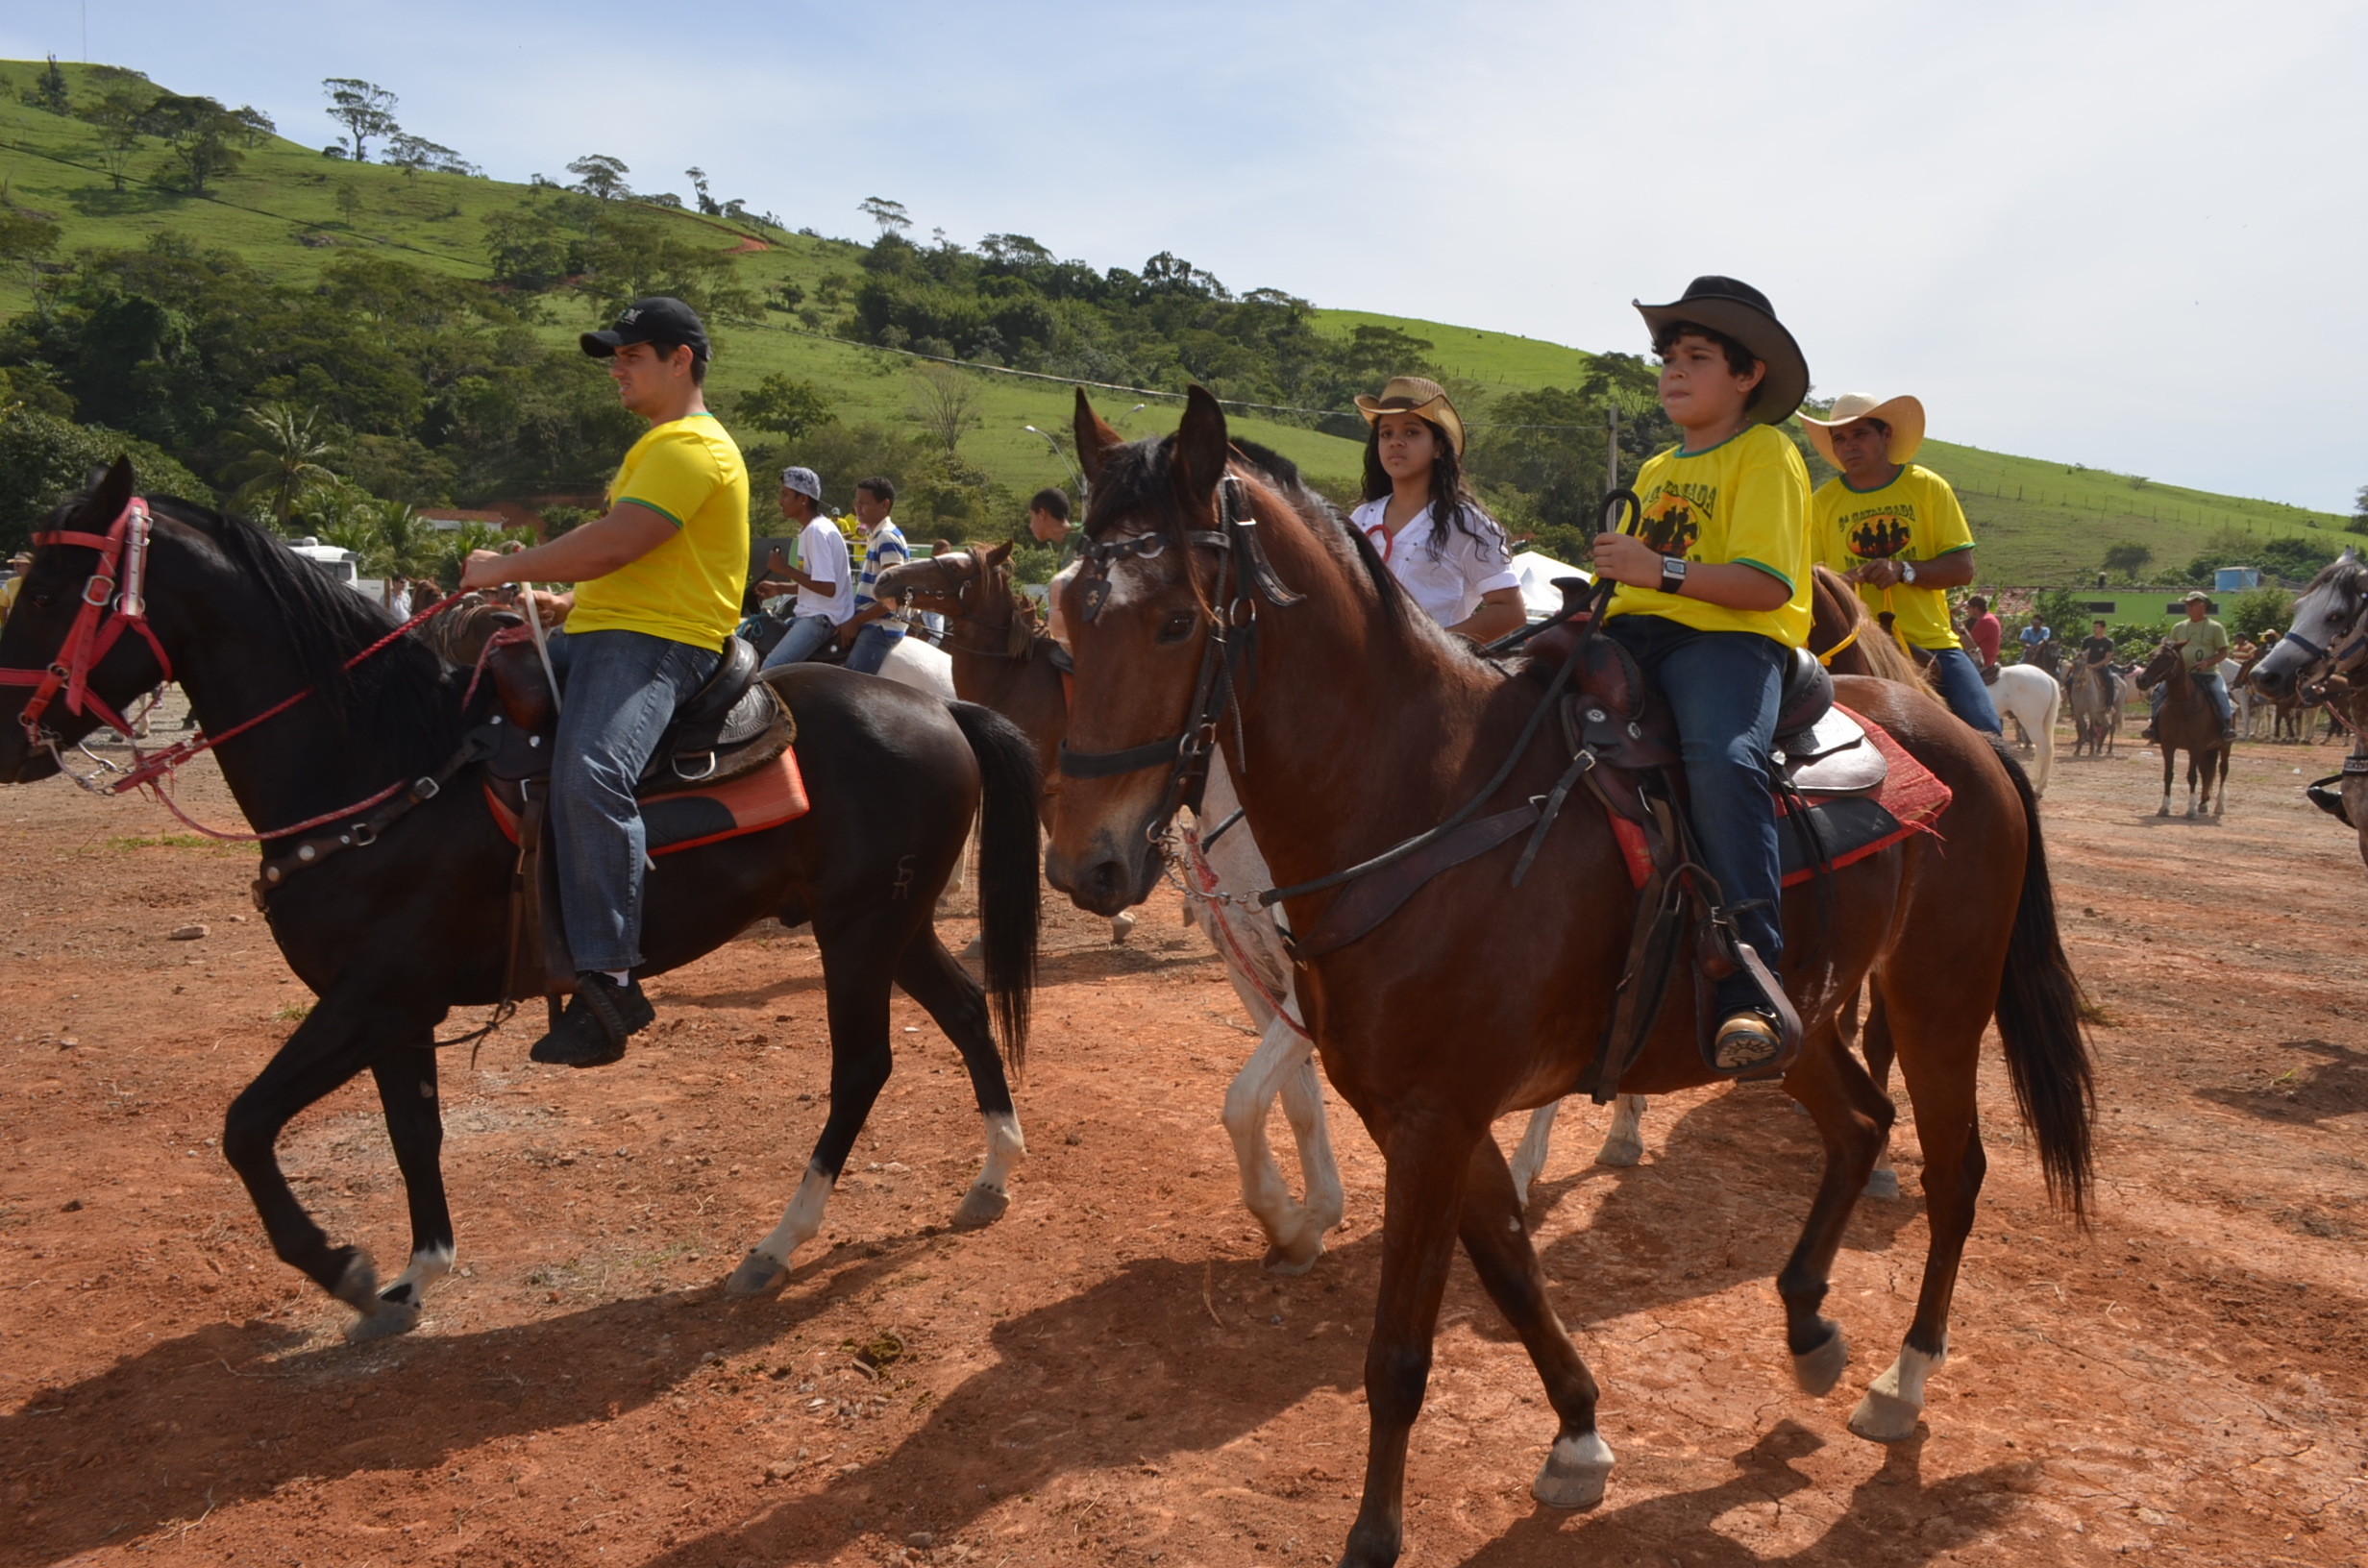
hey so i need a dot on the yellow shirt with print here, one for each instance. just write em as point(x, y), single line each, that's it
point(1744, 501)
point(688, 589)
point(1916, 515)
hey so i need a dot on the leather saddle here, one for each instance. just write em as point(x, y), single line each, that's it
point(733, 724)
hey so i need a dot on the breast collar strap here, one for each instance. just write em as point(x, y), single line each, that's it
point(1224, 657)
point(113, 601)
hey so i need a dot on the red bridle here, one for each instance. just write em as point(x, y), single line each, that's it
point(112, 603)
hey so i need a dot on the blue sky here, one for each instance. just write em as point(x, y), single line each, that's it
point(2123, 235)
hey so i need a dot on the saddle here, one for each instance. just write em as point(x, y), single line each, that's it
point(731, 725)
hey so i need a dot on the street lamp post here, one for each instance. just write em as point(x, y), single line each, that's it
point(1084, 490)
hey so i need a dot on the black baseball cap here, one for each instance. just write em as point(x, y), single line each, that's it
point(657, 319)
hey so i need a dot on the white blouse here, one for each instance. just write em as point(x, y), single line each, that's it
point(1446, 575)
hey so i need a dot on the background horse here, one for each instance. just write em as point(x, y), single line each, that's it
point(2188, 723)
point(2327, 643)
point(2096, 708)
point(1002, 659)
point(392, 934)
point(1351, 723)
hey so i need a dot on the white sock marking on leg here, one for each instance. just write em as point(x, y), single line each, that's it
point(801, 1219)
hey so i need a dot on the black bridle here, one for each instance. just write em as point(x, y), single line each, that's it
point(956, 586)
point(1244, 577)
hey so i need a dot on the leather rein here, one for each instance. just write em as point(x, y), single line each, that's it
point(114, 603)
point(1019, 642)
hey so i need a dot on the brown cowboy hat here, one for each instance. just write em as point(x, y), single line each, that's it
point(1904, 416)
point(1415, 394)
point(1742, 314)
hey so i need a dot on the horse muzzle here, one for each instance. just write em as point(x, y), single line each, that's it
point(1106, 878)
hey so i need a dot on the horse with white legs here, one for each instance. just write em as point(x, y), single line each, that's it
point(2096, 708)
point(2031, 696)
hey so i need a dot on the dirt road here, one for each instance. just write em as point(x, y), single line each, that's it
point(1107, 1376)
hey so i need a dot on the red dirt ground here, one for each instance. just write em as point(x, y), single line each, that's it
point(1107, 1376)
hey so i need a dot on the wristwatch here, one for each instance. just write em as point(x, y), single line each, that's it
point(1673, 574)
point(1906, 570)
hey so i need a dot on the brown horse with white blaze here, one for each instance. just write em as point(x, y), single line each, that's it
point(1349, 723)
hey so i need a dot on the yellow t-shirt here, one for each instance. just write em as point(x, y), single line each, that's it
point(1746, 499)
point(1916, 515)
point(688, 589)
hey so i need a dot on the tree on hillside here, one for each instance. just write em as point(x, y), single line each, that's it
point(785, 405)
point(120, 116)
point(699, 187)
point(200, 132)
point(411, 154)
point(945, 405)
point(48, 91)
point(366, 110)
point(627, 257)
point(284, 446)
point(2128, 559)
point(25, 238)
point(601, 175)
point(889, 215)
point(2360, 513)
point(253, 124)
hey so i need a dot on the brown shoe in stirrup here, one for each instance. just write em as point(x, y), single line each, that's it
point(1745, 1040)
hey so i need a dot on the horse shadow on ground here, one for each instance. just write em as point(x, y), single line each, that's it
point(1892, 1516)
point(2335, 1086)
point(764, 995)
point(107, 1461)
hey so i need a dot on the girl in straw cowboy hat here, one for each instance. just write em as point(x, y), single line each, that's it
point(1896, 531)
point(1713, 595)
point(1450, 557)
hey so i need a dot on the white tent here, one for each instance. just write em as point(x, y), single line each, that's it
point(1538, 573)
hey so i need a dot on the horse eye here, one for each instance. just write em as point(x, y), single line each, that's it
point(42, 601)
point(1176, 627)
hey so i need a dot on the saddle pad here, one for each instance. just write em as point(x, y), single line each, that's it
point(1849, 829)
point(686, 818)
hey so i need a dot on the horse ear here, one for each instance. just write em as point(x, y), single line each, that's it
point(1201, 445)
point(1094, 439)
point(110, 490)
point(995, 556)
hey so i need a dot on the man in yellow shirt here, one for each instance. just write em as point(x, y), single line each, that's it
point(1896, 531)
point(1714, 597)
point(658, 583)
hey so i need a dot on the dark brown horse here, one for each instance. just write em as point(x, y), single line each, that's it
point(1361, 724)
point(2188, 723)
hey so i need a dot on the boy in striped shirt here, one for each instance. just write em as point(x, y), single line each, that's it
point(877, 624)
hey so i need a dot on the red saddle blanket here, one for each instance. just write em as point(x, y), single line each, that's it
point(1849, 828)
point(686, 818)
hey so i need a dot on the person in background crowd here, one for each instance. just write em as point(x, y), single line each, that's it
point(1894, 528)
point(399, 598)
point(2203, 643)
point(825, 578)
point(1982, 630)
point(13, 583)
point(873, 630)
point(1048, 524)
point(1424, 522)
point(2096, 648)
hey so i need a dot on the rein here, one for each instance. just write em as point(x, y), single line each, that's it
point(112, 603)
point(1019, 642)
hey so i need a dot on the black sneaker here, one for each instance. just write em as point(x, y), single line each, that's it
point(593, 1030)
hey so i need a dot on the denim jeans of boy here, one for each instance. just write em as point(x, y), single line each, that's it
point(807, 635)
point(1959, 682)
point(1722, 688)
point(623, 688)
point(873, 645)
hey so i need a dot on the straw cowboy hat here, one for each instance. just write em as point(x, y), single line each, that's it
point(1414, 395)
point(1742, 314)
point(1903, 414)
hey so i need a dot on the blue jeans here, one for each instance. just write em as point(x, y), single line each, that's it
point(1722, 688)
point(1960, 683)
point(2206, 682)
point(623, 688)
point(807, 635)
point(873, 643)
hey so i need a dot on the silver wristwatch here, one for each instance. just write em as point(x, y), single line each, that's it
point(1673, 574)
point(1906, 570)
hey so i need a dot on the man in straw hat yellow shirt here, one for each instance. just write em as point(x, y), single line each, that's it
point(1895, 529)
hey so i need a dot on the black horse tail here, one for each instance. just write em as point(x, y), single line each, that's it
point(2040, 1004)
point(1010, 885)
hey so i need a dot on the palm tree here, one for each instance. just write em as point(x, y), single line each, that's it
point(283, 457)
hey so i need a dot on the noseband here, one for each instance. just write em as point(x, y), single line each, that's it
point(1244, 577)
point(113, 603)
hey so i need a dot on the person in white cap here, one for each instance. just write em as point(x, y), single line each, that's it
point(1895, 529)
point(826, 581)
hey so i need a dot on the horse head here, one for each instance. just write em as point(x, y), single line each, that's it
point(59, 589)
point(2329, 632)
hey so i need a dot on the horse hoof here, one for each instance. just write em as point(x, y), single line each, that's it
point(358, 1286)
point(1620, 1152)
point(756, 1274)
point(981, 1207)
point(1576, 1469)
point(1882, 1183)
point(1815, 1372)
point(392, 1317)
point(1885, 1419)
point(1282, 1260)
point(1122, 926)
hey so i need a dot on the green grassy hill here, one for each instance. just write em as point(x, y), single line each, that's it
point(288, 209)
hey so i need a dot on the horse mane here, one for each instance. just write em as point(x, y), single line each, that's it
point(398, 703)
point(1885, 658)
point(2347, 573)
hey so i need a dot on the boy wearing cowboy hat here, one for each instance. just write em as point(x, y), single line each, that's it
point(1713, 595)
point(1896, 531)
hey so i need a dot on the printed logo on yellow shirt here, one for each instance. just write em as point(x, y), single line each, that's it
point(1672, 523)
point(1878, 537)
